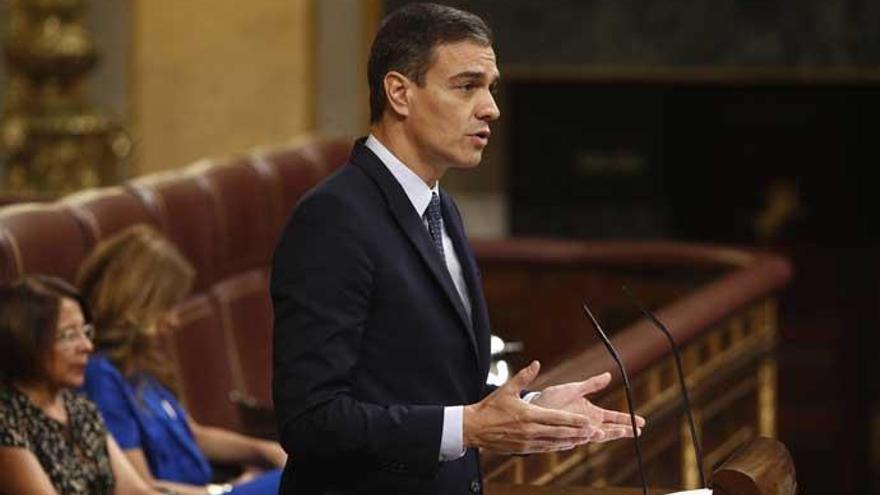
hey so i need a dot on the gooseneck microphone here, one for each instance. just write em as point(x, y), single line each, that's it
point(627, 389)
point(684, 393)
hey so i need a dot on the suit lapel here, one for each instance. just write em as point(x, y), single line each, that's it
point(455, 229)
point(412, 226)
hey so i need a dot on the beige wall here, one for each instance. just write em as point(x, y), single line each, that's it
point(213, 77)
point(344, 31)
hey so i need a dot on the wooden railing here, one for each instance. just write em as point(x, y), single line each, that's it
point(718, 303)
point(763, 467)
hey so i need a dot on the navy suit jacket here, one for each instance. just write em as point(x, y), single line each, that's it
point(372, 340)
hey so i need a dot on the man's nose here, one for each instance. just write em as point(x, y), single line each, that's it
point(489, 110)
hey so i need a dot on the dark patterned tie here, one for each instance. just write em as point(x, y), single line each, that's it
point(435, 223)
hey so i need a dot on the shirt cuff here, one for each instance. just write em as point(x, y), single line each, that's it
point(451, 440)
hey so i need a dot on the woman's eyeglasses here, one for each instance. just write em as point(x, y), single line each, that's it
point(70, 334)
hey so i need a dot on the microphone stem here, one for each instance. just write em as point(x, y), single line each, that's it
point(687, 408)
point(698, 450)
point(632, 417)
point(627, 389)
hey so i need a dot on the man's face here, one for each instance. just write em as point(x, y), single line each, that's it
point(449, 115)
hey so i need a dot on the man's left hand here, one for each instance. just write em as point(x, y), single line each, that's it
point(571, 397)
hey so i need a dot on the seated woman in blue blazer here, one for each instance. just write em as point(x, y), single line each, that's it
point(133, 281)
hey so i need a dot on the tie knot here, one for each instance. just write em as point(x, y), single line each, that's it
point(434, 206)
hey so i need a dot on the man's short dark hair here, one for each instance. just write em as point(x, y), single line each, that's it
point(29, 311)
point(406, 40)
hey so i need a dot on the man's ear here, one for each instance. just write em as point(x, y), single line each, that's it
point(397, 92)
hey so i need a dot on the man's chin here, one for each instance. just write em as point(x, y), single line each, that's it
point(470, 162)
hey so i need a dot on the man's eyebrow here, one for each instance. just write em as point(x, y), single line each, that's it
point(475, 75)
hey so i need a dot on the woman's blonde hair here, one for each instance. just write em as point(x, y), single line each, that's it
point(131, 280)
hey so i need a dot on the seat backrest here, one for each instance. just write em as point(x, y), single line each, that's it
point(291, 172)
point(329, 153)
point(246, 214)
point(207, 366)
point(106, 211)
point(41, 238)
point(187, 215)
point(225, 216)
point(246, 317)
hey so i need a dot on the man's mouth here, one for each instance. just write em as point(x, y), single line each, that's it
point(485, 133)
point(481, 137)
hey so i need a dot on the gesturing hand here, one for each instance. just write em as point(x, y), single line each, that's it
point(570, 397)
point(505, 423)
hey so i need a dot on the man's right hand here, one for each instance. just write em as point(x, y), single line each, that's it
point(502, 422)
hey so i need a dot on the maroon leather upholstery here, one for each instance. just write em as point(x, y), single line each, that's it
point(246, 316)
point(187, 213)
point(329, 153)
point(104, 212)
point(246, 216)
point(225, 216)
point(290, 172)
point(41, 238)
point(207, 366)
point(9, 257)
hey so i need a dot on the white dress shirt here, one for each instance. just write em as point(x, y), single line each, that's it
point(419, 194)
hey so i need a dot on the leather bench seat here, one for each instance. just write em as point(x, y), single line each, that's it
point(225, 216)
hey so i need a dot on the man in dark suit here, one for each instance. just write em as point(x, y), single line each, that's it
point(381, 331)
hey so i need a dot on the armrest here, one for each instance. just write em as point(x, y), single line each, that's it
point(258, 420)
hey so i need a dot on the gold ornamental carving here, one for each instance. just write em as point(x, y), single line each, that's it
point(52, 140)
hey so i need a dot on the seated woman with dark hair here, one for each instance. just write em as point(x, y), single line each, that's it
point(133, 281)
point(51, 439)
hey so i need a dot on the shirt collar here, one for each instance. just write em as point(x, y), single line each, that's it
point(416, 190)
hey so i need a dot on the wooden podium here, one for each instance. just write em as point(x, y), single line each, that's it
point(762, 467)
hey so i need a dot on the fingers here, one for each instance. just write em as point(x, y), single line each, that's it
point(622, 418)
point(595, 384)
point(533, 438)
point(542, 446)
point(606, 433)
point(543, 432)
point(525, 376)
point(539, 445)
point(565, 438)
point(567, 420)
point(555, 417)
point(565, 444)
